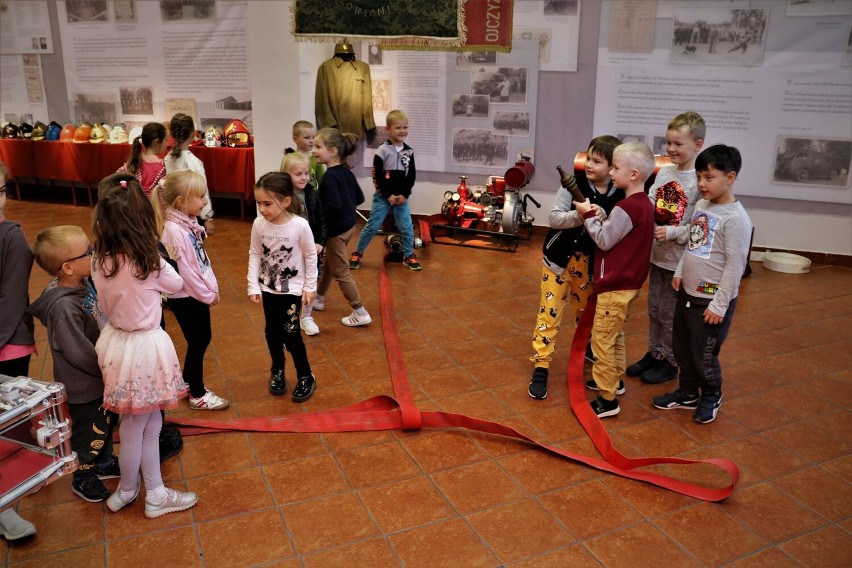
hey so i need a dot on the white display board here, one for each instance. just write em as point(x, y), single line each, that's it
point(22, 96)
point(775, 86)
point(25, 27)
point(469, 112)
point(135, 62)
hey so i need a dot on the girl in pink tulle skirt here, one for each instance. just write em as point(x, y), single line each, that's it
point(140, 368)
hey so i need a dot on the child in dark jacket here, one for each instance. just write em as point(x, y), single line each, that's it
point(393, 176)
point(69, 310)
point(566, 275)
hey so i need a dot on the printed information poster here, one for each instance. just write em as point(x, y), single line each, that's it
point(414, 82)
point(128, 61)
point(25, 27)
point(468, 112)
point(22, 89)
point(787, 108)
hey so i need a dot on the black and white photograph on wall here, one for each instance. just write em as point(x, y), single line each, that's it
point(137, 100)
point(560, 7)
point(94, 108)
point(511, 123)
point(124, 11)
point(812, 161)
point(719, 36)
point(16, 119)
point(374, 55)
point(232, 103)
point(500, 84)
point(625, 138)
point(81, 11)
point(470, 106)
point(819, 8)
point(381, 95)
point(464, 59)
point(659, 148)
point(479, 147)
point(183, 10)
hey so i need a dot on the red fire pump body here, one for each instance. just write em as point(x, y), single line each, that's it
point(496, 209)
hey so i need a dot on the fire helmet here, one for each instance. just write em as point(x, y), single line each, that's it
point(67, 134)
point(135, 133)
point(117, 135)
point(343, 48)
point(9, 131)
point(39, 130)
point(98, 134)
point(53, 131)
point(83, 132)
point(25, 130)
point(213, 137)
point(198, 140)
point(236, 134)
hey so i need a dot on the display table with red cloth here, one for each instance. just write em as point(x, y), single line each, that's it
point(230, 171)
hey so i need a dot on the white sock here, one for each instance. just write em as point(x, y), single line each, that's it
point(306, 310)
point(157, 496)
point(361, 311)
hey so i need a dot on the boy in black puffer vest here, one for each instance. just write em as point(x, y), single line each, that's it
point(566, 264)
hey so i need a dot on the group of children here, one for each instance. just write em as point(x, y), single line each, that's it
point(103, 308)
point(689, 233)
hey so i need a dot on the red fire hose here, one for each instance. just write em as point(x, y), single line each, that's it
point(400, 412)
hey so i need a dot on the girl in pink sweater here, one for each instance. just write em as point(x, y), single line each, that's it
point(140, 368)
point(184, 192)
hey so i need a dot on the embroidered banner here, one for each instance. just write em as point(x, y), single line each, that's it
point(430, 23)
point(464, 25)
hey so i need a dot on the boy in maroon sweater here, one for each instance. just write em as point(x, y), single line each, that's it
point(622, 260)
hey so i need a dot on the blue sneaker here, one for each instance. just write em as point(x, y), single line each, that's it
point(708, 406)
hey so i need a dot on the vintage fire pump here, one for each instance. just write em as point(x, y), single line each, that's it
point(497, 210)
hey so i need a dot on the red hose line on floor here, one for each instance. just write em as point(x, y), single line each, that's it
point(400, 412)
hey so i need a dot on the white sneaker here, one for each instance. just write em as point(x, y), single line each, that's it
point(115, 503)
point(319, 303)
point(175, 501)
point(210, 401)
point(354, 320)
point(308, 325)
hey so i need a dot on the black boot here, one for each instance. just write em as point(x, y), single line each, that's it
point(277, 383)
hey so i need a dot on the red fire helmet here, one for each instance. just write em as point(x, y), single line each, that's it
point(237, 134)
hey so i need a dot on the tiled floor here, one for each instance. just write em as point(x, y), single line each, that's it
point(458, 498)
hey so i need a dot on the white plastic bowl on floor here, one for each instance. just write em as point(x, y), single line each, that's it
point(786, 262)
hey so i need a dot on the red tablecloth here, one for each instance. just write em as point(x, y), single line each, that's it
point(229, 170)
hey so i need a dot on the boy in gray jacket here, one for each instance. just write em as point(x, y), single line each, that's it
point(69, 310)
